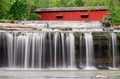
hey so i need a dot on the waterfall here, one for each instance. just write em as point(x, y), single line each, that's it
point(51, 51)
point(63, 49)
point(64, 58)
point(56, 50)
point(89, 51)
point(20, 47)
point(27, 49)
point(70, 40)
point(10, 49)
point(113, 48)
point(39, 46)
point(82, 51)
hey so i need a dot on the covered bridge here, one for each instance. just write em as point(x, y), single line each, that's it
point(72, 13)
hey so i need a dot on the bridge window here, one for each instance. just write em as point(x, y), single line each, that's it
point(84, 15)
point(59, 16)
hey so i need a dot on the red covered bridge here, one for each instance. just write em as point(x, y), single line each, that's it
point(73, 13)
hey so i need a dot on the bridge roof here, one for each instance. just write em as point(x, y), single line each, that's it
point(92, 8)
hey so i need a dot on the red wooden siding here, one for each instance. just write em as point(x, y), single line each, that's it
point(73, 16)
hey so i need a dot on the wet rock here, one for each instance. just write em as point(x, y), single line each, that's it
point(63, 28)
point(12, 26)
point(101, 77)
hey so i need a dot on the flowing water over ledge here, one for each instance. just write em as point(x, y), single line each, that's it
point(59, 50)
point(59, 74)
point(63, 54)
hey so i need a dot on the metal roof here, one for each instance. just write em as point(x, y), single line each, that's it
point(71, 9)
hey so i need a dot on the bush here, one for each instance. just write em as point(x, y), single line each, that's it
point(33, 16)
point(5, 21)
point(115, 16)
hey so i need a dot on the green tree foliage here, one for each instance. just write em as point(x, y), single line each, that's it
point(75, 3)
point(60, 3)
point(79, 2)
point(67, 3)
point(95, 2)
point(43, 3)
point(18, 10)
point(24, 9)
point(114, 9)
point(115, 16)
point(4, 8)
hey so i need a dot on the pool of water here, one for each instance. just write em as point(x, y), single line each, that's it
point(59, 74)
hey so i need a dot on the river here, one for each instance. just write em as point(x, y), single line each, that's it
point(59, 74)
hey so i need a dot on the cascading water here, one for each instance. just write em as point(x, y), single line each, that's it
point(10, 49)
point(25, 50)
point(64, 58)
point(28, 50)
point(70, 40)
point(82, 51)
point(113, 45)
point(56, 50)
point(89, 51)
point(63, 49)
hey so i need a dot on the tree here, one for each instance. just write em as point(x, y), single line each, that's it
point(18, 10)
point(114, 9)
point(75, 3)
point(43, 3)
point(79, 2)
point(4, 8)
point(95, 2)
point(31, 5)
point(115, 16)
point(22, 10)
point(60, 3)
